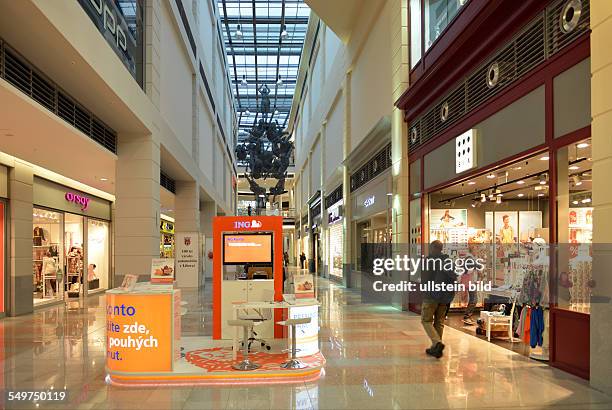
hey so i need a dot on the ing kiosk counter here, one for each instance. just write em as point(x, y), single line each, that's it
point(144, 342)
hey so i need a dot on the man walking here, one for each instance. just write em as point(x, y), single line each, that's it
point(437, 276)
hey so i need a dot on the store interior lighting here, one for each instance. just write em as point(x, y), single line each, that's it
point(577, 180)
point(582, 145)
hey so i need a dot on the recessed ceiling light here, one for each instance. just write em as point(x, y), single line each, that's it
point(517, 168)
point(586, 200)
point(103, 179)
point(471, 183)
point(577, 180)
point(491, 176)
point(582, 145)
point(544, 158)
point(540, 195)
point(574, 167)
point(575, 202)
point(521, 195)
point(521, 182)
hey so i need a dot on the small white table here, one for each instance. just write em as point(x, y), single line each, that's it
point(259, 307)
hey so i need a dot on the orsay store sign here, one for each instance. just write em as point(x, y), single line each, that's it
point(111, 23)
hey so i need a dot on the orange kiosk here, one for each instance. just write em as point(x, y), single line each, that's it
point(255, 242)
point(144, 343)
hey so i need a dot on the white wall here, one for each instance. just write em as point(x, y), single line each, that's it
point(371, 93)
point(333, 137)
point(316, 77)
point(332, 46)
point(206, 135)
point(315, 169)
point(176, 76)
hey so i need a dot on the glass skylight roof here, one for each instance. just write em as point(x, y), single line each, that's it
point(258, 54)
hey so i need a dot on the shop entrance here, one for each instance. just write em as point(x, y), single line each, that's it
point(503, 217)
point(60, 252)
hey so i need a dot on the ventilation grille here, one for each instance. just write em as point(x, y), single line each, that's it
point(541, 38)
point(557, 37)
point(374, 167)
point(335, 196)
point(16, 71)
point(167, 182)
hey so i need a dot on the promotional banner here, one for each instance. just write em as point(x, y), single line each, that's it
point(139, 332)
point(187, 258)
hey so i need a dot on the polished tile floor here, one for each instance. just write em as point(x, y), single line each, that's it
point(375, 360)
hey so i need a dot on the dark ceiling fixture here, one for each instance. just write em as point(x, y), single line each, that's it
point(267, 152)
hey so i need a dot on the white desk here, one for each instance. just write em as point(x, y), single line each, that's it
point(307, 342)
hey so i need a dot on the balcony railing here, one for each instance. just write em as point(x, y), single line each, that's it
point(287, 213)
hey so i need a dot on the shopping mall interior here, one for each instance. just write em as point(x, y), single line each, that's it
point(241, 204)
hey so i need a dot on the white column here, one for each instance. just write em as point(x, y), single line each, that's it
point(20, 187)
point(347, 224)
point(187, 221)
point(601, 112)
point(137, 205)
point(207, 213)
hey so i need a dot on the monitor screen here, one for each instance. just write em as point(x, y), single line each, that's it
point(242, 248)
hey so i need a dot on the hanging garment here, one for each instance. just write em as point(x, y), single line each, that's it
point(520, 330)
point(527, 326)
point(537, 327)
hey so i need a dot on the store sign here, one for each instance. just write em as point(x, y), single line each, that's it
point(187, 258)
point(81, 200)
point(334, 214)
point(369, 201)
point(110, 22)
point(254, 224)
point(465, 151)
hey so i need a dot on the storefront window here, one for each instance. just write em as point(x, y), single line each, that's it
point(415, 32)
point(47, 256)
point(97, 255)
point(502, 218)
point(438, 14)
point(575, 227)
point(335, 240)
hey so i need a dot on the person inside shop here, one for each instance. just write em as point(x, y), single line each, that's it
point(302, 259)
point(286, 258)
point(249, 210)
point(433, 308)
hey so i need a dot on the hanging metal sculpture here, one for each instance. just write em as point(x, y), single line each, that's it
point(267, 151)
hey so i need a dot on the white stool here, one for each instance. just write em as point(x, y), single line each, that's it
point(245, 364)
point(293, 362)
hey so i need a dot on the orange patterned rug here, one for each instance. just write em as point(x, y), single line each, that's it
point(219, 359)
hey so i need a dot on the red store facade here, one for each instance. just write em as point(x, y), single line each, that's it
point(498, 117)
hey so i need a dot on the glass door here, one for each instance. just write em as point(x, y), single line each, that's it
point(47, 256)
point(73, 245)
